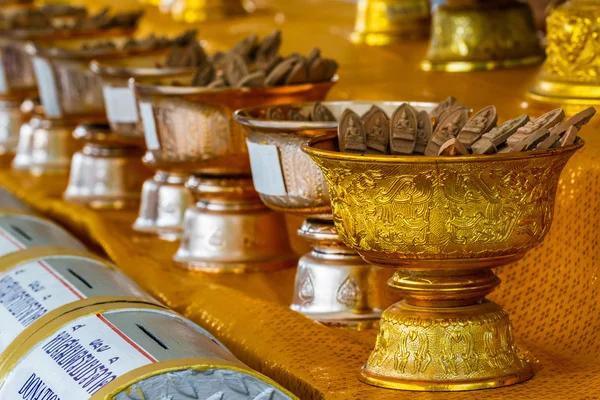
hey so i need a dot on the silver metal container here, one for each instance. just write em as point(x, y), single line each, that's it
point(19, 232)
point(127, 349)
point(36, 281)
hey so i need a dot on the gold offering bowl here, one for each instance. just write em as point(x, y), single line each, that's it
point(191, 130)
point(570, 76)
point(469, 35)
point(333, 284)
point(164, 197)
point(381, 22)
point(443, 223)
point(207, 10)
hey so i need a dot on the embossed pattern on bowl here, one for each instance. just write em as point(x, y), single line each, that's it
point(195, 129)
point(419, 208)
point(306, 189)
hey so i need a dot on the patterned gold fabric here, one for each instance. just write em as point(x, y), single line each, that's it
point(552, 295)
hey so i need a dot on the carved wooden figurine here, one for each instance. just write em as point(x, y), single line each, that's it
point(491, 141)
point(447, 129)
point(351, 133)
point(424, 132)
point(377, 126)
point(547, 120)
point(403, 130)
point(481, 123)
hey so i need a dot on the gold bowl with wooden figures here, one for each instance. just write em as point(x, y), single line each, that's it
point(190, 130)
point(469, 35)
point(443, 223)
point(333, 284)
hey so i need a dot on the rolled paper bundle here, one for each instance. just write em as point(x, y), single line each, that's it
point(41, 280)
point(114, 348)
point(21, 231)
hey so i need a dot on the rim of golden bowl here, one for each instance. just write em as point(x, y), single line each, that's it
point(104, 68)
point(44, 35)
point(36, 49)
point(307, 128)
point(170, 90)
point(310, 149)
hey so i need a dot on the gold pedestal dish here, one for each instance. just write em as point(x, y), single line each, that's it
point(381, 22)
point(443, 223)
point(570, 76)
point(333, 284)
point(471, 35)
point(191, 130)
point(210, 10)
point(164, 197)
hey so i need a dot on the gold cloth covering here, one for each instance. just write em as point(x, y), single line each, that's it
point(552, 295)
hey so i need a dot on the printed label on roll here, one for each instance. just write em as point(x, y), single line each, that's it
point(3, 85)
point(149, 124)
point(27, 292)
point(266, 169)
point(8, 243)
point(120, 104)
point(75, 362)
point(47, 87)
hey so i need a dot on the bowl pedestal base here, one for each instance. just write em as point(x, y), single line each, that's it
point(108, 172)
point(445, 336)
point(229, 229)
point(45, 146)
point(105, 177)
point(11, 119)
point(164, 201)
point(334, 285)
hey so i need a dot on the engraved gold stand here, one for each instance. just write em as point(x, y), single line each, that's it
point(381, 22)
point(570, 76)
point(482, 35)
point(191, 130)
point(164, 197)
point(333, 284)
point(193, 11)
point(443, 223)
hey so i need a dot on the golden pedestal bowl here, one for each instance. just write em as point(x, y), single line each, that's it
point(164, 197)
point(191, 130)
point(443, 223)
point(469, 35)
point(333, 284)
point(570, 76)
point(381, 22)
point(210, 10)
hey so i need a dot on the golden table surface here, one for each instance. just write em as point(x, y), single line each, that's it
point(552, 295)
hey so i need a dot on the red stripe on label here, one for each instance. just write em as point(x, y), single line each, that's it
point(60, 279)
point(131, 342)
point(11, 239)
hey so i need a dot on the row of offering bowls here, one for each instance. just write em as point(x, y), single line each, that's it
point(440, 223)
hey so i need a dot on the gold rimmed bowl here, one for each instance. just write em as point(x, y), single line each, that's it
point(443, 223)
